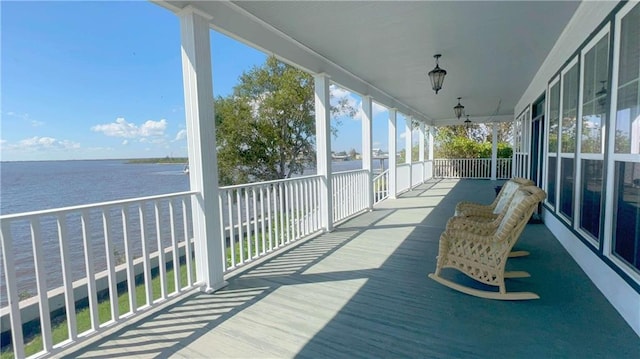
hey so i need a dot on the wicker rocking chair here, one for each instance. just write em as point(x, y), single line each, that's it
point(481, 252)
point(493, 213)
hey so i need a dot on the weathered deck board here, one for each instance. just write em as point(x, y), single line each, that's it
point(362, 291)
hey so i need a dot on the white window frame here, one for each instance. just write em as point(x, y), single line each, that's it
point(547, 154)
point(561, 154)
point(586, 156)
point(616, 157)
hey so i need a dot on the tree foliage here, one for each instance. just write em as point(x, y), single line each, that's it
point(266, 128)
point(460, 142)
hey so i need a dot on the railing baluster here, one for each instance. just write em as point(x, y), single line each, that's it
point(146, 263)
point(255, 222)
point(297, 208)
point(111, 265)
point(91, 279)
point(287, 206)
point(128, 252)
point(281, 215)
point(232, 237)
point(269, 214)
point(41, 283)
point(8, 256)
point(187, 242)
point(162, 263)
point(247, 225)
point(176, 250)
point(240, 234)
point(262, 220)
point(67, 278)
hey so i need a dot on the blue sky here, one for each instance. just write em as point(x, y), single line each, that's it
point(94, 80)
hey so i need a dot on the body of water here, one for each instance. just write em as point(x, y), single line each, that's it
point(33, 186)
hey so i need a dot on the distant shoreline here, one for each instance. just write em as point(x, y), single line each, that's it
point(165, 160)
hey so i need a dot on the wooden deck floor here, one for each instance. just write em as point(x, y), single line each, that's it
point(362, 292)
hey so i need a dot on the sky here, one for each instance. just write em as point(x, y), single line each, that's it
point(103, 80)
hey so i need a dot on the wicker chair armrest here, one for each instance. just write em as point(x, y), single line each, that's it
point(465, 204)
point(477, 212)
point(456, 235)
point(472, 226)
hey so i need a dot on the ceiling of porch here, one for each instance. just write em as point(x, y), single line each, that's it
point(490, 50)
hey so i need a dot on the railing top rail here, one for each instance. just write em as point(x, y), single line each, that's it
point(265, 183)
point(350, 171)
point(381, 174)
point(57, 211)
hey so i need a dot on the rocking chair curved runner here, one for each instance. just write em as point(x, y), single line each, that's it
point(481, 253)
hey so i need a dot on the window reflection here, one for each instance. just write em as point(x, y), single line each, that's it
point(554, 117)
point(566, 186)
point(591, 195)
point(595, 96)
point(569, 110)
point(551, 181)
point(627, 212)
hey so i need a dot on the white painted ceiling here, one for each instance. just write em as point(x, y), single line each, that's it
point(490, 49)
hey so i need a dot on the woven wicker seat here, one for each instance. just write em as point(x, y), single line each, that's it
point(481, 251)
point(493, 213)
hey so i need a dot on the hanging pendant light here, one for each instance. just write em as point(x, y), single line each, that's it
point(467, 122)
point(437, 76)
point(602, 94)
point(458, 109)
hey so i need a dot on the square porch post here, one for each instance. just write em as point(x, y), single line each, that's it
point(323, 149)
point(421, 151)
point(203, 160)
point(494, 152)
point(393, 116)
point(408, 146)
point(367, 140)
point(431, 136)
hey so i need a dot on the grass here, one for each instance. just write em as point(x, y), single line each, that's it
point(60, 330)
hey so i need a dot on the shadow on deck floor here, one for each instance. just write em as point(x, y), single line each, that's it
point(362, 291)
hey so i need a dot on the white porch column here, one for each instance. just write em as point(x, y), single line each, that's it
point(407, 147)
point(203, 160)
point(323, 148)
point(421, 150)
point(367, 141)
point(393, 148)
point(494, 153)
point(431, 136)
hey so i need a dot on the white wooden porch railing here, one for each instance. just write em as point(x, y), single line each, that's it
point(403, 177)
point(471, 168)
point(381, 187)
point(84, 252)
point(349, 195)
point(260, 217)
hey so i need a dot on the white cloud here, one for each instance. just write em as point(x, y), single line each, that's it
point(122, 128)
point(181, 135)
point(24, 117)
point(37, 143)
point(125, 142)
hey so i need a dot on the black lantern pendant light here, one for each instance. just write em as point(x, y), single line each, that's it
point(458, 109)
point(437, 76)
point(467, 122)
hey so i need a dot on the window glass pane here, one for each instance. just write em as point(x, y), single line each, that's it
point(627, 135)
point(566, 186)
point(569, 109)
point(595, 98)
point(554, 116)
point(626, 230)
point(551, 181)
point(591, 195)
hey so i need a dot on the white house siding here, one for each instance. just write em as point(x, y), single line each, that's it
point(587, 19)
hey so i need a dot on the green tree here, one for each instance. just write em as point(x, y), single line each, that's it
point(266, 128)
